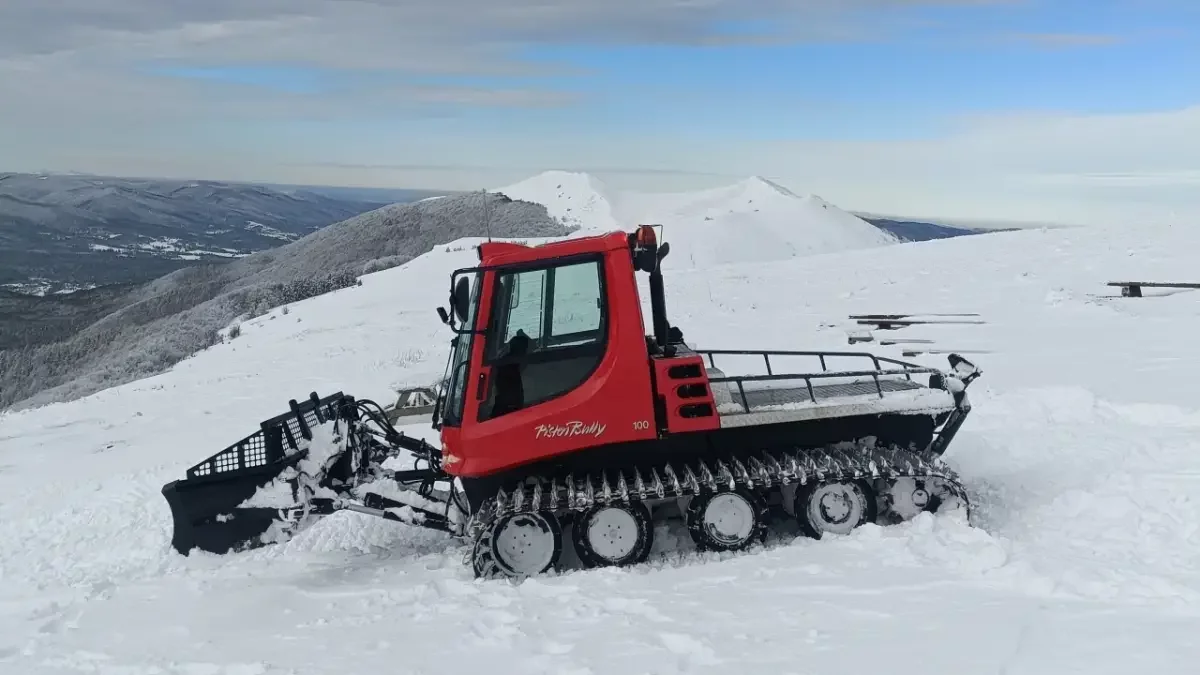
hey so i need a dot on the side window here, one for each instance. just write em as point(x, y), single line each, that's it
point(576, 302)
point(456, 391)
point(547, 334)
point(526, 304)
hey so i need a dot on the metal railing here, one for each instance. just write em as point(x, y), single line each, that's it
point(821, 356)
point(904, 369)
point(276, 438)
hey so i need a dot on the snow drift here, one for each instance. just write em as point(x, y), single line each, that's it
point(751, 221)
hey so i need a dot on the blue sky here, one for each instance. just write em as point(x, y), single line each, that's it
point(896, 82)
point(810, 98)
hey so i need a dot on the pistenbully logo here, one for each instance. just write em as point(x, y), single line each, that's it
point(570, 430)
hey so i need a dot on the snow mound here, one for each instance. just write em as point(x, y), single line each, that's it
point(579, 200)
point(751, 221)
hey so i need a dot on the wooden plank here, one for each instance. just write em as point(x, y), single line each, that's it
point(402, 416)
point(886, 324)
point(908, 353)
point(1154, 284)
point(414, 402)
point(1133, 289)
point(903, 316)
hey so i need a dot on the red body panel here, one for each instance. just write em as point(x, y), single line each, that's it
point(683, 383)
point(614, 405)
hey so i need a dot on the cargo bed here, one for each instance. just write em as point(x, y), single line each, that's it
point(886, 386)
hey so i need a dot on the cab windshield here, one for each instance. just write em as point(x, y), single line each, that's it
point(460, 356)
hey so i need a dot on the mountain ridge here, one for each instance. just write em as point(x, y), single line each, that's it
point(750, 220)
point(75, 349)
point(63, 232)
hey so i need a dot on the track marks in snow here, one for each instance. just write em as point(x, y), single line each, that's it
point(352, 574)
point(494, 628)
point(104, 664)
point(694, 614)
point(690, 650)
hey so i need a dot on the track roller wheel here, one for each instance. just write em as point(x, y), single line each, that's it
point(727, 520)
point(482, 561)
point(906, 498)
point(518, 545)
point(834, 506)
point(613, 535)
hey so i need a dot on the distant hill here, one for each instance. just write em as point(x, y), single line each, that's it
point(64, 232)
point(30, 319)
point(752, 220)
point(914, 230)
point(74, 231)
point(61, 233)
point(365, 194)
point(62, 347)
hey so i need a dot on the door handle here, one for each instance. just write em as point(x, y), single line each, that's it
point(481, 388)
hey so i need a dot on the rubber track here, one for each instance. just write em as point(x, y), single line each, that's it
point(761, 472)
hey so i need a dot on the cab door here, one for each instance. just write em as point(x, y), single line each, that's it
point(547, 334)
point(561, 369)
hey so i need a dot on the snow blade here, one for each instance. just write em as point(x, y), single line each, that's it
point(206, 514)
point(205, 506)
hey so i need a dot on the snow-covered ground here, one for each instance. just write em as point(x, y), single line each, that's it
point(1083, 453)
point(172, 246)
point(753, 220)
point(44, 287)
point(268, 231)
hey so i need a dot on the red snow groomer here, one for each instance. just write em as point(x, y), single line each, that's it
point(560, 414)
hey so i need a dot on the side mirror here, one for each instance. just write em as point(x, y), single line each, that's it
point(461, 299)
point(643, 248)
point(647, 258)
point(963, 369)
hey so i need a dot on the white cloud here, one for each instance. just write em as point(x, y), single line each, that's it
point(79, 64)
point(1118, 169)
point(75, 97)
point(369, 33)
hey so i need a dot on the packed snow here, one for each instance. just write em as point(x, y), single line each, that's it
point(1082, 453)
point(43, 287)
point(751, 221)
point(268, 231)
point(172, 246)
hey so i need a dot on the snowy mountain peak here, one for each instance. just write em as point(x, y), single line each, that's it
point(566, 182)
point(579, 200)
point(764, 186)
point(752, 220)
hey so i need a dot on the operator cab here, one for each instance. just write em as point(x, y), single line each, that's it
point(548, 327)
point(551, 345)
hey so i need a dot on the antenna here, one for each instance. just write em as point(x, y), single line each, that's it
point(487, 221)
